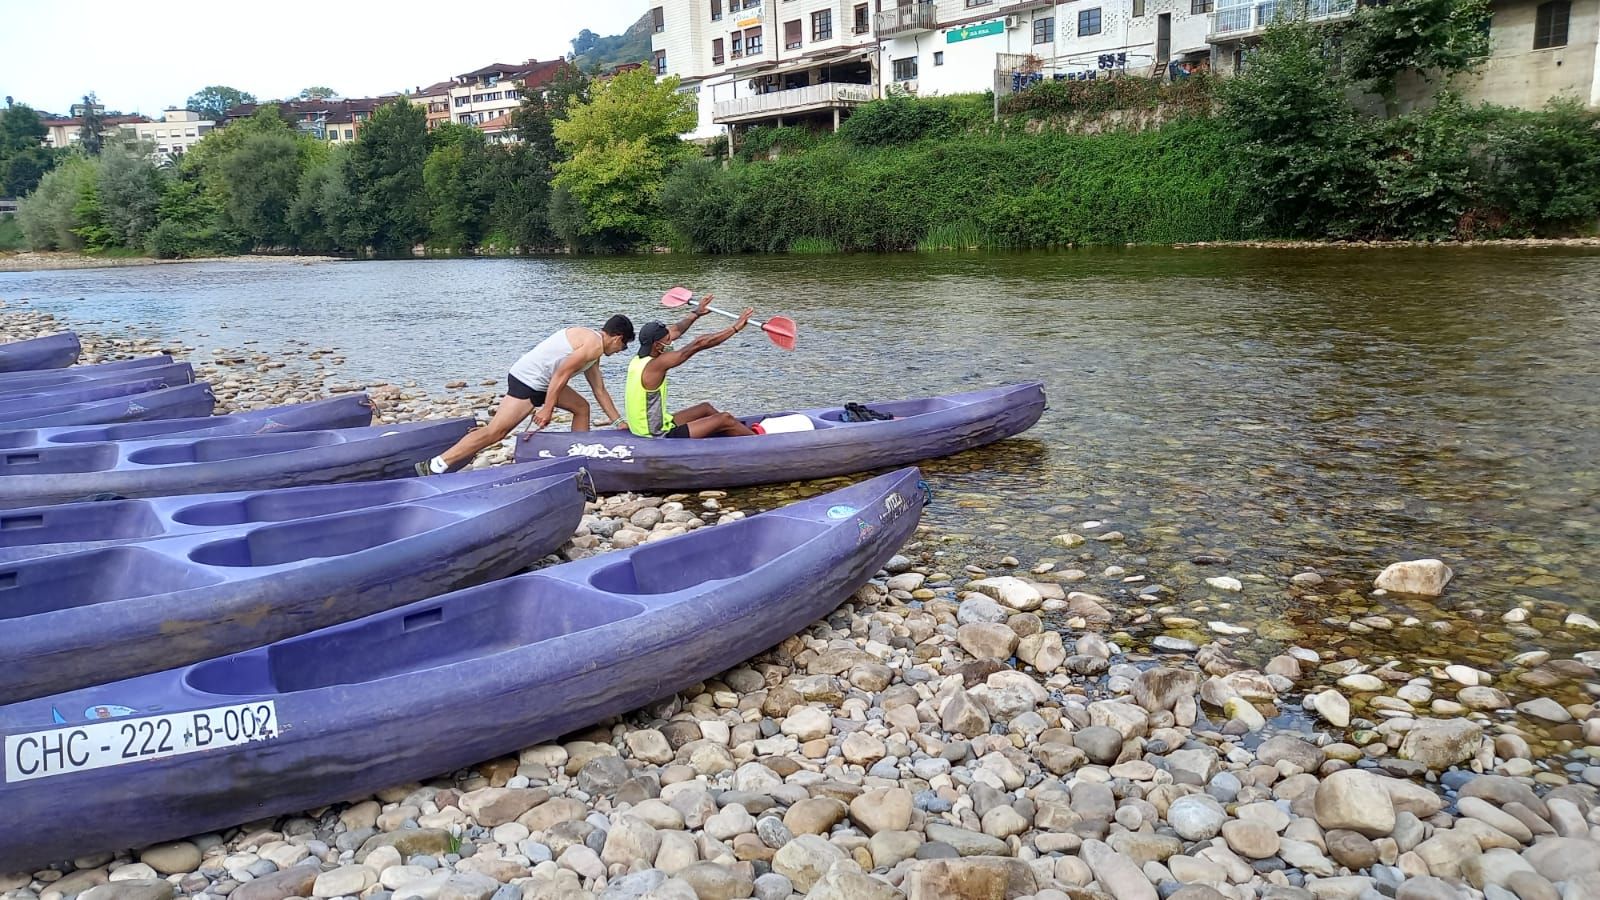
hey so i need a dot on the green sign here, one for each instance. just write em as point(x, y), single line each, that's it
point(967, 32)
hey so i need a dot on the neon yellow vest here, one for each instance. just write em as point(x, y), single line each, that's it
point(646, 409)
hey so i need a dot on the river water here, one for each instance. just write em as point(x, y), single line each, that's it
point(1329, 408)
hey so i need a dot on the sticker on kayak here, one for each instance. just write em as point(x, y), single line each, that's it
point(894, 506)
point(841, 512)
point(601, 451)
point(95, 713)
point(100, 745)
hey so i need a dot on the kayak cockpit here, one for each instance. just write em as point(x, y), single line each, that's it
point(728, 551)
point(487, 620)
point(218, 449)
point(900, 409)
point(277, 506)
point(338, 535)
point(58, 460)
point(130, 431)
point(107, 521)
point(96, 576)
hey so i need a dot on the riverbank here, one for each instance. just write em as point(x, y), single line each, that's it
point(47, 260)
point(977, 722)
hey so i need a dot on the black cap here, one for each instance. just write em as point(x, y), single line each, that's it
point(621, 326)
point(649, 335)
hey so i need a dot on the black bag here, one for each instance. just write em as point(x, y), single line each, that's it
point(855, 412)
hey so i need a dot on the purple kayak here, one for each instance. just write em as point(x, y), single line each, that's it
point(59, 528)
point(20, 404)
point(334, 714)
point(347, 411)
point(54, 351)
point(183, 401)
point(89, 617)
point(79, 374)
point(922, 429)
point(207, 464)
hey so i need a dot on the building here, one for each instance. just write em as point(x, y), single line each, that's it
point(178, 130)
point(334, 121)
point(64, 132)
point(1537, 51)
point(435, 98)
point(1236, 25)
point(487, 94)
point(767, 62)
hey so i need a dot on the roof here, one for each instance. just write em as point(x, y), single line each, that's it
point(531, 72)
point(498, 123)
point(301, 108)
point(104, 121)
point(435, 89)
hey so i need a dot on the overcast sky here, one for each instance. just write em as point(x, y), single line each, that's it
point(144, 57)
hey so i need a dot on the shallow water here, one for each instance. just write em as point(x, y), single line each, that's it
point(1335, 409)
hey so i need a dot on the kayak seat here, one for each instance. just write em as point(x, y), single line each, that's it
point(58, 460)
point(339, 535)
point(115, 520)
point(709, 554)
point(900, 409)
point(74, 580)
point(223, 448)
point(128, 431)
point(320, 501)
point(10, 440)
point(496, 617)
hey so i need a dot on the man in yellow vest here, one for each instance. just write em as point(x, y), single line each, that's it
point(645, 399)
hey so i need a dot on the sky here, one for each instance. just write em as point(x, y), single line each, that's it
point(145, 57)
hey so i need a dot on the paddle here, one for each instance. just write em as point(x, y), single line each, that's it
point(780, 329)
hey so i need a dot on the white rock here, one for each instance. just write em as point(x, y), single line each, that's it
point(1423, 577)
point(1225, 583)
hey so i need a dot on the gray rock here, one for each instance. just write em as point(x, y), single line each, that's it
point(1427, 888)
point(1441, 743)
point(1102, 744)
point(603, 775)
point(1196, 817)
point(966, 842)
point(1356, 801)
point(773, 886)
point(1561, 858)
point(805, 860)
point(1305, 755)
point(1118, 874)
point(130, 889)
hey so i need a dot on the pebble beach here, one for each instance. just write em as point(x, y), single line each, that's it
point(999, 727)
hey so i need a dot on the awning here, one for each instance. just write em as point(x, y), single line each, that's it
point(1201, 50)
point(830, 57)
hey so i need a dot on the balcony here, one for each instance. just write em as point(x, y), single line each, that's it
point(906, 19)
point(814, 98)
point(1250, 19)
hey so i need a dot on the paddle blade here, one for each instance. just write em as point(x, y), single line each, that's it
point(678, 296)
point(781, 330)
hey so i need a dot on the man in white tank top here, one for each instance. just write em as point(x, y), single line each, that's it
point(538, 383)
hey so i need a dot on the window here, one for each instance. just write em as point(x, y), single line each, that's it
point(938, 57)
point(972, 3)
point(905, 69)
point(750, 4)
point(661, 62)
point(863, 20)
point(716, 52)
point(822, 25)
point(1088, 21)
point(791, 35)
point(1044, 30)
point(1550, 24)
point(659, 19)
point(349, 135)
point(752, 40)
point(716, 10)
point(738, 44)
point(1138, 8)
point(1200, 7)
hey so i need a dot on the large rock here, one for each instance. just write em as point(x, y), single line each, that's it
point(1561, 858)
point(1129, 720)
point(805, 860)
point(1160, 689)
point(967, 842)
point(411, 841)
point(807, 723)
point(986, 640)
point(1441, 743)
point(1423, 577)
point(814, 815)
point(715, 882)
point(493, 807)
point(1446, 851)
point(176, 858)
point(971, 878)
point(295, 881)
point(887, 809)
point(1118, 874)
point(1196, 817)
point(1306, 756)
point(628, 840)
point(962, 715)
point(1043, 650)
point(1355, 801)
point(1408, 796)
point(846, 881)
point(130, 889)
point(345, 881)
point(1011, 591)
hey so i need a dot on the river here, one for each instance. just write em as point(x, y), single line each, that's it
point(1329, 408)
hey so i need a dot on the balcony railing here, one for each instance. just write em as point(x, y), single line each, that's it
point(1237, 21)
point(902, 19)
point(776, 103)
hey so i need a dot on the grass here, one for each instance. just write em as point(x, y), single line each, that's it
point(813, 246)
point(953, 236)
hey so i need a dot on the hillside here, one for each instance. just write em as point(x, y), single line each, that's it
point(596, 53)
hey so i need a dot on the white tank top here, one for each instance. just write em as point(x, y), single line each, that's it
point(538, 366)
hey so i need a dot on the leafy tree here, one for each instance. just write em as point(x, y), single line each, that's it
point(458, 194)
point(1440, 37)
point(318, 92)
point(386, 165)
point(214, 101)
point(535, 119)
point(49, 216)
point(519, 206)
point(584, 42)
point(262, 178)
point(130, 189)
point(327, 213)
point(20, 129)
point(620, 144)
point(23, 157)
point(90, 135)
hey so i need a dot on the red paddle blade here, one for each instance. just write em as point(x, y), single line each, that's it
point(781, 330)
point(678, 296)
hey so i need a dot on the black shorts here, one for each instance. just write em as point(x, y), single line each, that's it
point(677, 431)
point(516, 390)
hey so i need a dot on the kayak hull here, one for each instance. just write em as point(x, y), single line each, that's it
point(29, 404)
point(119, 610)
point(10, 381)
point(347, 411)
point(489, 670)
point(181, 402)
point(926, 428)
point(53, 351)
point(211, 464)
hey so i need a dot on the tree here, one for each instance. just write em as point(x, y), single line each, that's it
point(386, 165)
point(23, 157)
point(263, 177)
point(1439, 37)
point(458, 195)
point(214, 101)
point(130, 190)
point(50, 216)
point(535, 119)
point(620, 144)
point(90, 136)
point(318, 92)
point(584, 42)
